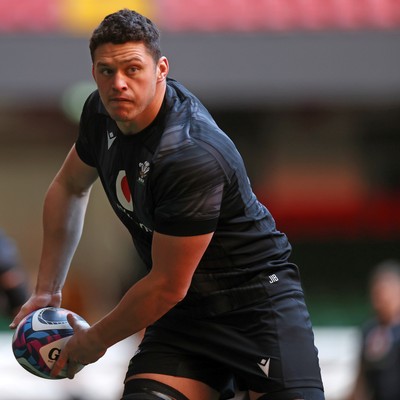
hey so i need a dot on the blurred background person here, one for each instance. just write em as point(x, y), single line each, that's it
point(379, 370)
point(13, 284)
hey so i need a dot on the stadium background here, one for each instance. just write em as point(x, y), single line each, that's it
point(308, 90)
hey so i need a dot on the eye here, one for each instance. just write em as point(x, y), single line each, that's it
point(132, 70)
point(106, 71)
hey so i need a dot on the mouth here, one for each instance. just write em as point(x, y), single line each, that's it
point(120, 100)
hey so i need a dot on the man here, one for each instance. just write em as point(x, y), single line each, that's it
point(222, 305)
point(378, 375)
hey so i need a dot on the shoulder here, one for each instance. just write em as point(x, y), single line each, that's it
point(93, 101)
point(190, 133)
point(92, 106)
point(93, 118)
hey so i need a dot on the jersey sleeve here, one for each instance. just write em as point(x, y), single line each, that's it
point(189, 191)
point(82, 143)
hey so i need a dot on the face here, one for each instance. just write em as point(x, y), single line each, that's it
point(385, 293)
point(130, 83)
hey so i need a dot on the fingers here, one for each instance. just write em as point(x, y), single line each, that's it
point(23, 312)
point(60, 364)
point(15, 321)
point(35, 302)
point(76, 323)
point(65, 360)
point(73, 368)
point(73, 321)
point(65, 363)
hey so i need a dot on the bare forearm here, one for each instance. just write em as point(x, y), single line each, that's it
point(174, 262)
point(64, 209)
point(63, 216)
point(142, 305)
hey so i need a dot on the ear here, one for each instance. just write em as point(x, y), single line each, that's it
point(93, 72)
point(162, 69)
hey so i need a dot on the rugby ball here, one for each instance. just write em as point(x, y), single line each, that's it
point(39, 339)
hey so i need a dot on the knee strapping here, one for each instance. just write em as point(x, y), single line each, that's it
point(149, 389)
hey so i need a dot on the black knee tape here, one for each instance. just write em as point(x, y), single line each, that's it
point(149, 389)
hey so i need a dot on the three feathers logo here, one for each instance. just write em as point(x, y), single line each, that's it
point(123, 190)
point(144, 169)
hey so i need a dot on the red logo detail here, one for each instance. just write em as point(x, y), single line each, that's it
point(123, 191)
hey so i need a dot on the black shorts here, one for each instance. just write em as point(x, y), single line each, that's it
point(266, 347)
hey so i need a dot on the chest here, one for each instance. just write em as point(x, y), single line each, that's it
point(124, 165)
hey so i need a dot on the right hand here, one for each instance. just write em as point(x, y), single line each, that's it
point(35, 302)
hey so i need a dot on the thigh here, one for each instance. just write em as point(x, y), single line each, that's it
point(291, 394)
point(192, 389)
point(266, 347)
point(183, 366)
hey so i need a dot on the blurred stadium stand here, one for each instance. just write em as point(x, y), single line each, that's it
point(239, 53)
point(266, 15)
point(203, 15)
point(230, 52)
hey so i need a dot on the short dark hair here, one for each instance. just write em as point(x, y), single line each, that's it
point(127, 26)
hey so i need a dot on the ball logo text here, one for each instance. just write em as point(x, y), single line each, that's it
point(54, 353)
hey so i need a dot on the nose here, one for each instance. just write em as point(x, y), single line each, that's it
point(119, 83)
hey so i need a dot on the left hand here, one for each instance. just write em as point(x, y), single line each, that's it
point(81, 349)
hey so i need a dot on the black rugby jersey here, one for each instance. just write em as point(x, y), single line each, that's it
point(380, 360)
point(182, 176)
